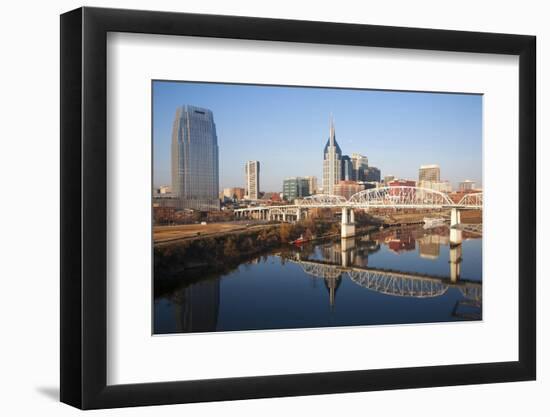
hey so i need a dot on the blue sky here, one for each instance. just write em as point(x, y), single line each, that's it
point(286, 128)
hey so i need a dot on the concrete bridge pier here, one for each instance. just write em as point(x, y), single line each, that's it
point(455, 235)
point(455, 247)
point(455, 216)
point(347, 247)
point(455, 259)
point(348, 222)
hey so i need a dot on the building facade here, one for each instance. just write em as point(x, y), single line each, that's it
point(234, 193)
point(429, 173)
point(195, 172)
point(371, 174)
point(252, 171)
point(441, 186)
point(332, 162)
point(348, 188)
point(388, 179)
point(295, 187)
point(347, 169)
point(312, 184)
point(402, 183)
point(466, 185)
point(360, 164)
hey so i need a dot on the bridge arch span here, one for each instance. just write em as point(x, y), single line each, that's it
point(322, 200)
point(473, 200)
point(396, 285)
point(400, 197)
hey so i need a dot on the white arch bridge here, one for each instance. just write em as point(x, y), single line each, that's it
point(401, 197)
point(393, 197)
point(393, 283)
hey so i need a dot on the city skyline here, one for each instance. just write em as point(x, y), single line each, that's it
point(285, 129)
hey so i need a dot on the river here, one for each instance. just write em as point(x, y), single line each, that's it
point(394, 276)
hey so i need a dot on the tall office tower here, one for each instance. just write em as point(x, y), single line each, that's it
point(312, 184)
point(252, 171)
point(428, 173)
point(332, 162)
point(347, 169)
point(360, 164)
point(195, 172)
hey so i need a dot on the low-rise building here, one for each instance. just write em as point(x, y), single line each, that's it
point(348, 188)
point(441, 186)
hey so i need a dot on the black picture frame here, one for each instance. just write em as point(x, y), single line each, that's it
point(84, 207)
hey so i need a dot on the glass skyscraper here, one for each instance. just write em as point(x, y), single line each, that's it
point(295, 187)
point(360, 164)
point(195, 172)
point(347, 169)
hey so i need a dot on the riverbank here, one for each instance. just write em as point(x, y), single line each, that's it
point(223, 250)
point(226, 250)
point(400, 219)
point(167, 235)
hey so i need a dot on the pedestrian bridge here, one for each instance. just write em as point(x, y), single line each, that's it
point(401, 197)
point(393, 197)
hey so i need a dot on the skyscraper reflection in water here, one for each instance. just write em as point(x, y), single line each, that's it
point(196, 307)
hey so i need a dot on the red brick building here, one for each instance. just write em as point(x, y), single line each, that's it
point(348, 188)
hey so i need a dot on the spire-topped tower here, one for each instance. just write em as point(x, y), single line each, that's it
point(332, 160)
point(331, 133)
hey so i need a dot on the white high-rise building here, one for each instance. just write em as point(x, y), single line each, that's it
point(332, 162)
point(252, 171)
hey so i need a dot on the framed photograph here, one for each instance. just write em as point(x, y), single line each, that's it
point(257, 208)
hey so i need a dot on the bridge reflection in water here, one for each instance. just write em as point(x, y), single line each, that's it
point(268, 293)
point(345, 259)
point(390, 282)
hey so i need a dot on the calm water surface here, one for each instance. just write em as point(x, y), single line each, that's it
point(407, 275)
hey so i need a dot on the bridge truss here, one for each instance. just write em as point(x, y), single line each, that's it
point(401, 197)
point(392, 282)
point(393, 197)
point(397, 285)
point(473, 200)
